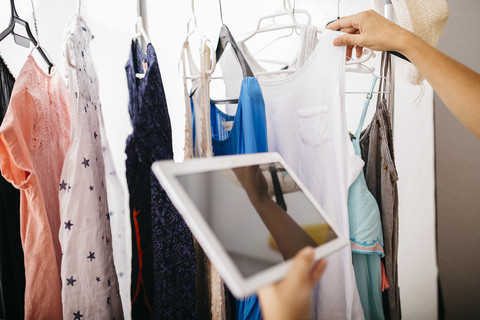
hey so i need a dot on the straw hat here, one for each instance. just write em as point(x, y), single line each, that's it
point(425, 18)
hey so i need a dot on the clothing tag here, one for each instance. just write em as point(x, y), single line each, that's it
point(228, 125)
point(145, 67)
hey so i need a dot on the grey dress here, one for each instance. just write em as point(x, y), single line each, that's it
point(376, 143)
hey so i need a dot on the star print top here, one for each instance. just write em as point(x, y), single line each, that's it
point(90, 287)
point(33, 142)
point(117, 212)
point(163, 254)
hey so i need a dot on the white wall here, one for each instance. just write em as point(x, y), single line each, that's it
point(414, 150)
point(112, 22)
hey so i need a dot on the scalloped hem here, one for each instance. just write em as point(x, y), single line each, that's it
point(374, 247)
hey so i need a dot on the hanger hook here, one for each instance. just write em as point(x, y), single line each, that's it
point(139, 25)
point(338, 9)
point(139, 8)
point(35, 22)
point(193, 18)
point(79, 5)
point(221, 11)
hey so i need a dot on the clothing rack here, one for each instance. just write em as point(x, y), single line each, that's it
point(391, 70)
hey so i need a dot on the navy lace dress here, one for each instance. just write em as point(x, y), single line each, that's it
point(12, 268)
point(163, 254)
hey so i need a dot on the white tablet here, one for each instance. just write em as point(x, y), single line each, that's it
point(235, 217)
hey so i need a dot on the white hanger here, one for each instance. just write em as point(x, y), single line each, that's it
point(191, 31)
point(357, 63)
point(193, 19)
point(353, 65)
point(139, 27)
point(140, 32)
point(287, 11)
point(67, 47)
point(270, 23)
point(365, 69)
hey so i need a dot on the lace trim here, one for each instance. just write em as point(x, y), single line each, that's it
point(187, 149)
point(373, 247)
point(46, 91)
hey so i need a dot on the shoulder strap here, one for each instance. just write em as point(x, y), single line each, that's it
point(226, 37)
point(365, 108)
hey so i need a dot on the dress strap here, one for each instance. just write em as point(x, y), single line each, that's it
point(365, 108)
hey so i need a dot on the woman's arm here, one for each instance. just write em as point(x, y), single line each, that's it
point(457, 85)
point(288, 235)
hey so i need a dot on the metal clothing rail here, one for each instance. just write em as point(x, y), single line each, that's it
point(388, 10)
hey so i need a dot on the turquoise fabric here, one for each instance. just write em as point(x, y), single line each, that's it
point(366, 236)
point(363, 213)
point(368, 275)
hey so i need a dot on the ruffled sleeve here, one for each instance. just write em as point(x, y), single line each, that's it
point(15, 136)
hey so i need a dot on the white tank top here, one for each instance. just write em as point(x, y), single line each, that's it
point(306, 124)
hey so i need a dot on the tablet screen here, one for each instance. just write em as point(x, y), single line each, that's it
point(258, 213)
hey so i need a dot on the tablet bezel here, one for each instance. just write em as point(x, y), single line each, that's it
point(166, 172)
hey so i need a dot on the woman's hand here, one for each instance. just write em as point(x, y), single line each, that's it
point(290, 298)
point(457, 85)
point(370, 30)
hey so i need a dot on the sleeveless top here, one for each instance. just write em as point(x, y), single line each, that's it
point(381, 176)
point(363, 213)
point(163, 254)
point(89, 280)
point(244, 132)
point(248, 131)
point(366, 236)
point(306, 124)
point(210, 296)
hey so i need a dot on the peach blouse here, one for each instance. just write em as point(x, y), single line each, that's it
point(34, 138)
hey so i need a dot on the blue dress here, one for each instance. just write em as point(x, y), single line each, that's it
point(163, 254)
point(248, 134)
point(249, 131)
point(366, 236)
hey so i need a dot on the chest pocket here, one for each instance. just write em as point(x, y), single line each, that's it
point(313, 125)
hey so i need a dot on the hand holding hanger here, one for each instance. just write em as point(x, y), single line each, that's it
point(374, 33)
point(291, 12)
